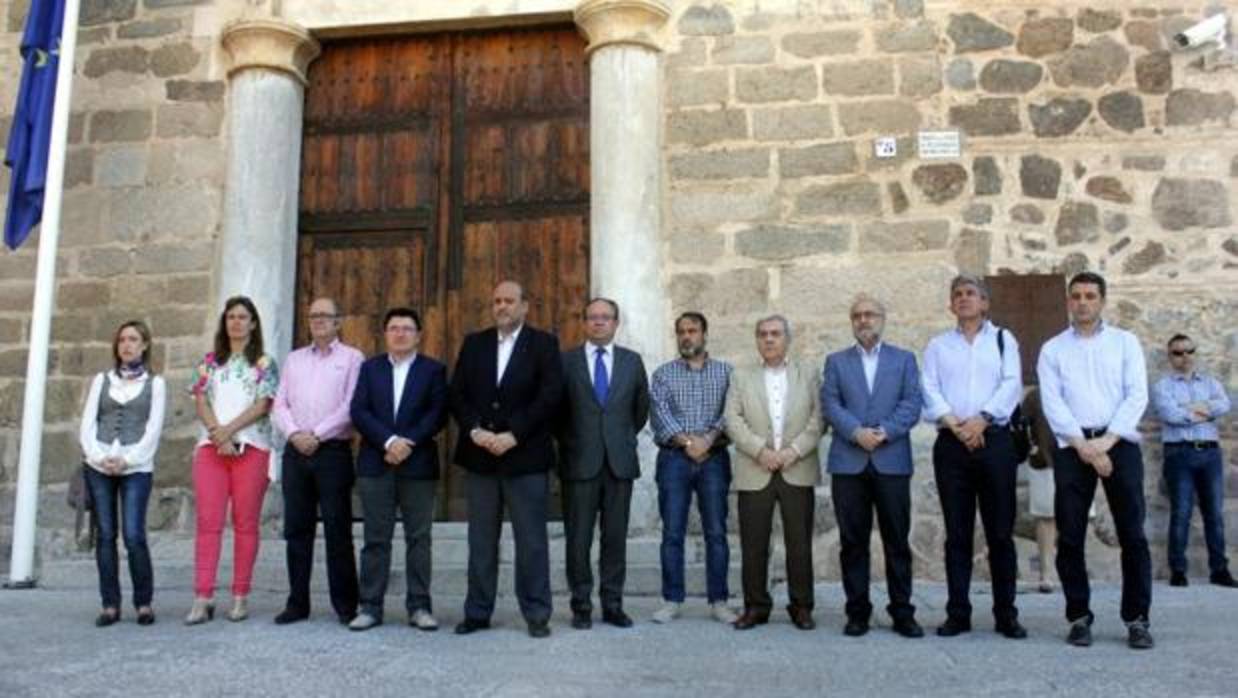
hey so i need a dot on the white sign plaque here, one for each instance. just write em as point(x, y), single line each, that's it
point(940, 145)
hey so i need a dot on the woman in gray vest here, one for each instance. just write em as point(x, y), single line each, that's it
point(119, 436)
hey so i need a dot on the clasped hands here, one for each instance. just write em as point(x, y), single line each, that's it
point(496, 444)
point(869, 438)
point(113, 465)
point(1095, 452)
point(697, 446)
point(221, 436)
point(970, 432)
point(774, 461)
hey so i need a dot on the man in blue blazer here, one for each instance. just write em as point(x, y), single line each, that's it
point(871, 395)
point(400, 404)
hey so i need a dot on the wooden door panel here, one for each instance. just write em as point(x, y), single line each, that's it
point(434, 166)
point(1033, 306)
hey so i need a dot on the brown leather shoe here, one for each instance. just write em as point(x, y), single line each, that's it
point(801, 618)
point(750, 619)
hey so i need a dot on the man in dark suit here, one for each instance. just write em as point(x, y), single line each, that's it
point(399, 405)
point(505, 395)
point(606, 406)
point(871, 395)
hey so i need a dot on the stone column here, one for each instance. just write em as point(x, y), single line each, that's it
point(626, 164)
point(266, 94)
point(625, 221)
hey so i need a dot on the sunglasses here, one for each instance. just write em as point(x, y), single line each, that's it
point(1182, 352)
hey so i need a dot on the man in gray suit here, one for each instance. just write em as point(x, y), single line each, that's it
point(606, 407)
point(871, 395)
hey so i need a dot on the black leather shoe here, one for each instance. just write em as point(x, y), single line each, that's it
point(146, 617)
point(1080, 633)
point(582, 620)
point(801, 618)
point(908, 627)
point(472, 625)
point(108, 617)
point(617, 618)
point(1177, 579)
point(750, 619)
point(1012, 629)
point(539, 630)
point(855, 627)
point(1223, 579)
point(346, 618)
point(1138, 637)
point(289, 615)
point(953, 626)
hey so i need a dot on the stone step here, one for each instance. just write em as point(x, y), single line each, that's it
point(172, 557)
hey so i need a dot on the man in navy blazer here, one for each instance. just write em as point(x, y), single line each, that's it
point(505, 395)
point(871, 395)
point(400, 404)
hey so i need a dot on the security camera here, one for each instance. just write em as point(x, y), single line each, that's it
point(1211, 30)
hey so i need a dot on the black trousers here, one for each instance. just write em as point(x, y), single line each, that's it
point(525, 498)
point(756, 516)
point(585, 502)
point(1076, 486)
point(312, 484)
point(965, 478)
point(855, 498)
point(381, 497)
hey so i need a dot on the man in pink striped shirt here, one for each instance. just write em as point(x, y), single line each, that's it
point(311, 409)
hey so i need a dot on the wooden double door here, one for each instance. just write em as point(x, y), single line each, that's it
point(434, 166)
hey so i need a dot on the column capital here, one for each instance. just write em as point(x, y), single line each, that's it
point(634, 22)
point(270, 44)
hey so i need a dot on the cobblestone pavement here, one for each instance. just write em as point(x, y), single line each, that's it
point(49, 647)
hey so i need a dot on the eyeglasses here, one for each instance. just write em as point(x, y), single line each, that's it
point(401, 329)
point(322, 316)
point(1182, 352)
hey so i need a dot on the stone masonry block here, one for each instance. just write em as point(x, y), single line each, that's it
point(164, 259)
point(122, 59)
point(188, 120)
point(780, 243)
point(887, 116)
point(697, 87)
point(705, 207)
point(808, 122)
point(699, 20)
point(194, 90)
point(971, 32)
point(1100, 62)
point(919, 76)
point(123, 166)
point(1041, 37)
point(704, 127)
point(174, 59)
point(884, 237)
point(721, 164)
point(1180, 203)
point(855, 198)
point(95, 12)
point(1010, 77)
point(118, 126)
point(729, 50)
point(858, 78)
point(901, 37)
point(817, 44)
point(728, 293)
point(149, 28)
point(776, 84)
point(826, 159)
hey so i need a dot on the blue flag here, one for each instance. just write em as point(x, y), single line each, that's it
point(26, 154)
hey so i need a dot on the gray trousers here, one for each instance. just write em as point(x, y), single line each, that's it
point(525, 497)
point(585, 502)
point(380, 498)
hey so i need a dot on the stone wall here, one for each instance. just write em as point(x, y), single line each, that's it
point(143, 196)
point(1088, 143)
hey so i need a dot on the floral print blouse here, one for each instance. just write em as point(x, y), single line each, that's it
point(231, 388)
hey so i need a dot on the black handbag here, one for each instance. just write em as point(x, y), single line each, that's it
point(1019, 425)
point(78, 499)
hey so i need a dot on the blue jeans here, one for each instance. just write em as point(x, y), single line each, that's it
point(678, 477)
point(134, 492)
point(1188, 471)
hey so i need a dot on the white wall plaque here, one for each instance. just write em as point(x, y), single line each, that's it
point(940, 145)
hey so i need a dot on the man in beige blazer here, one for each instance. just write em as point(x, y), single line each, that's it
point(773, 416)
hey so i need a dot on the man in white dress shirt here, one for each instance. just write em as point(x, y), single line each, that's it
point(1094, 389)
point(972, 384)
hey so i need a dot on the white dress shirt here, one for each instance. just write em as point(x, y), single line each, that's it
point(776, 395)
point(869, 360)
point(963, 378)
point(399, 374)
point(608, 359)
point(1099, 381)
point(506, 346)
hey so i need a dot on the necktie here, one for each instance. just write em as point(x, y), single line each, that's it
point(601, 382)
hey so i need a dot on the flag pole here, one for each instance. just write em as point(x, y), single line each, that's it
point(25, 514)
